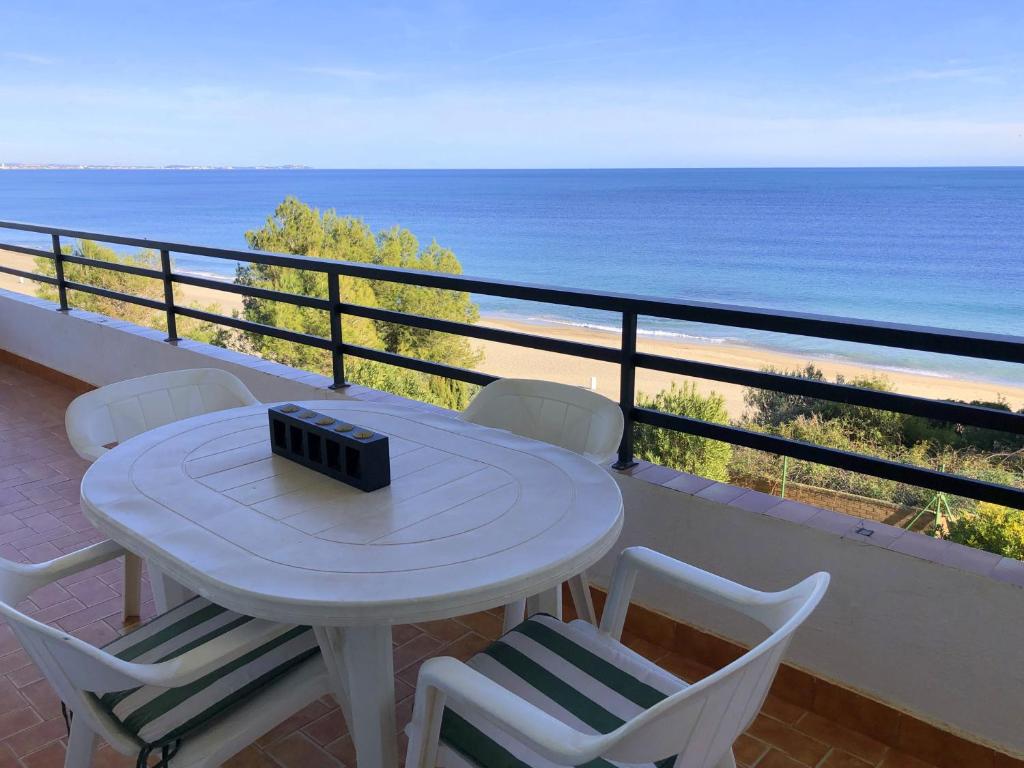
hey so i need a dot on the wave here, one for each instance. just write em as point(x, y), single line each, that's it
point(653, 332)
point(207, 275)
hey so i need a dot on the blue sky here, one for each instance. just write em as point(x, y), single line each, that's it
point(514, 84)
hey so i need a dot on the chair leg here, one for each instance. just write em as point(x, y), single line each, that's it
point(80, 746)
point(579, 587)
point(727, 761)
point(132, 587)
point(514, 615)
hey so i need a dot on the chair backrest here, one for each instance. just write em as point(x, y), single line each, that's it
point(570, 417)
point(701, 722)
point(116, 412)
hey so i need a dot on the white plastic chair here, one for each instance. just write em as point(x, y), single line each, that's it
point(553, 694)
point(219, 661)
point(570, 417)
point(116, 412)
point(112, 414)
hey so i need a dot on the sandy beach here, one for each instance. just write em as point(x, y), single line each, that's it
point(505, 360)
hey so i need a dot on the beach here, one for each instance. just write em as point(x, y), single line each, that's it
point(508, 361)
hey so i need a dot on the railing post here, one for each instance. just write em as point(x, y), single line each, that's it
point(165, 266)
point(627, 389)
point(337, 356)
point(58, 265)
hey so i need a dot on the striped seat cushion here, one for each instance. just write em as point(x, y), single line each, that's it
point(572, 672)
point(159, 716)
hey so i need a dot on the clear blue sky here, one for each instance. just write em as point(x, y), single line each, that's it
point(513, 84)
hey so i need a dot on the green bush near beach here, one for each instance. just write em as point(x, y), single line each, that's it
point(297, 228)
point(121, 282)
point(687, 453)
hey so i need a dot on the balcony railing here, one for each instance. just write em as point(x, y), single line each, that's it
point(980, 346)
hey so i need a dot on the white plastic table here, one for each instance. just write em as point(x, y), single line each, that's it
point(474, 518)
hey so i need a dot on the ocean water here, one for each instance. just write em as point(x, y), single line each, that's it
point(941, 247)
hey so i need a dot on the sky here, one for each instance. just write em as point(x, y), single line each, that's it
point(565, 84)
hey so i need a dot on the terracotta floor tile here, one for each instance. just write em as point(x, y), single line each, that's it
point(300, 719)
point(446, 630)
point(747, 750)
point(776, 759)
point(837, 758)
point(298, 751)
point(484, 623)
point(250, 757)
point(782, 710)
point(416, 649)
point(787, 739)
point(896, 759)
point(36, 736)
point(50, 756)
point(845, 739)
point(328, 728)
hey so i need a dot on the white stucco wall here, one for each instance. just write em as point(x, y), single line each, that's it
point(941, 643)
point(938, 642)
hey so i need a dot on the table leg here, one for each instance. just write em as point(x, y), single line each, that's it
point(132, 587)
point(329, 639)
point(167, 593)
point(362, 664)
point(549, 601)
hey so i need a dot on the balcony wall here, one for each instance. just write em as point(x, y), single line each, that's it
point(939, 640)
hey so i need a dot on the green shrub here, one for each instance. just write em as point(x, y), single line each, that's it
point(990, 527)
point(687, 453)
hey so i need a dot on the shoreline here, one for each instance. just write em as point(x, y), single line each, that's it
point(502, 360)
point(507, 361)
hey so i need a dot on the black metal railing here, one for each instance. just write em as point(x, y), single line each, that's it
point(982, 346)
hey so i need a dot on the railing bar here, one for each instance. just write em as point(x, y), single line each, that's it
point(627, 390)
point(165, 268)
point(58, 266)
point(249, 290)
point(545, 343)
point(423, 366)
point(129, 269)
point(27, 250)
point(246, 325)
point(29, 275)
point(942, 410)
point(833, 457)
point(115, 295)
point(940, 340)
point(337, 342)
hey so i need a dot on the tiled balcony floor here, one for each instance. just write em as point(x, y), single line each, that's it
point(40, 519)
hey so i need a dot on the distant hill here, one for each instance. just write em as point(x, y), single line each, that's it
point(72, 167)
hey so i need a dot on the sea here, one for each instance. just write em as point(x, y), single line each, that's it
point(929, 246)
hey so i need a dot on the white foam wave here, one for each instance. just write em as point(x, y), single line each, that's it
point(206, 275)
point(653, 332)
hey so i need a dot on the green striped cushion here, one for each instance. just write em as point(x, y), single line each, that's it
point(571, 672)
point(159, 716)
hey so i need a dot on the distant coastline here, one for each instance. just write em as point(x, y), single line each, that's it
point(73, 167)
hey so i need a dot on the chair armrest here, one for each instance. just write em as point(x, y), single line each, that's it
point(201, 661)
point(761, 606)
point(17, 580)
point(447, 678)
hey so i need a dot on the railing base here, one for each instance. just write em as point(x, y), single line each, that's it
point(624, 465)
point(339, 386)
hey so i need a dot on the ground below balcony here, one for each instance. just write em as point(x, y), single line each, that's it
point(40, 518)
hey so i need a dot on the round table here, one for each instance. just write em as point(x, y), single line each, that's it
point(474, 518)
